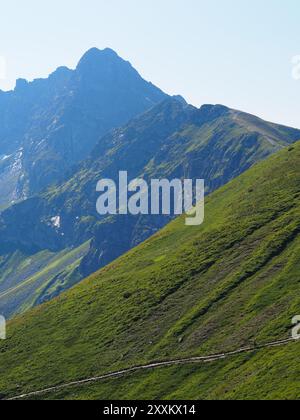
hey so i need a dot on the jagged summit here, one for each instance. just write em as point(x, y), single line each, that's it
point(94, 53)
point(95, 58)
point(59, 119)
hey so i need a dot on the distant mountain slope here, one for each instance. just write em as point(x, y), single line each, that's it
point(50, 124)
point(171, 140)
point(26, 281)
point(187, 291)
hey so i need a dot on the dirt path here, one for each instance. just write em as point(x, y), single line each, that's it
point(204, 359)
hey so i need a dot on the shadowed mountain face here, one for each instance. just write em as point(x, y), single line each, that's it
point(171, 140)
point(210, 289)
point(48, 125)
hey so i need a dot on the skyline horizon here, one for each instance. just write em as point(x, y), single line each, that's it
point(241, 54)
point(73, 68)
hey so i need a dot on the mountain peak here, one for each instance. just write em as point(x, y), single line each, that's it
point(96, 52)
point(210, 112)
point(95, 55)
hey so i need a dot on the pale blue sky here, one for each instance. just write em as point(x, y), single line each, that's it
point(234, 52)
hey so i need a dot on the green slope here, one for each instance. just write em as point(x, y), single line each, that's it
point(268, 374)
point(185, 292)
point(172, 140)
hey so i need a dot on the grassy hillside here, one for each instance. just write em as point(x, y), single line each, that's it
point(187, 291)
point(172, 140)
point(267, 374)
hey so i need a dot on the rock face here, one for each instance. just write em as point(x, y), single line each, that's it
point(48, 125)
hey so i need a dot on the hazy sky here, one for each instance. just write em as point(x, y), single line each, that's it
point(235, 52)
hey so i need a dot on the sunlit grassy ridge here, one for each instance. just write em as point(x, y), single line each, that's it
point(187, 291)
